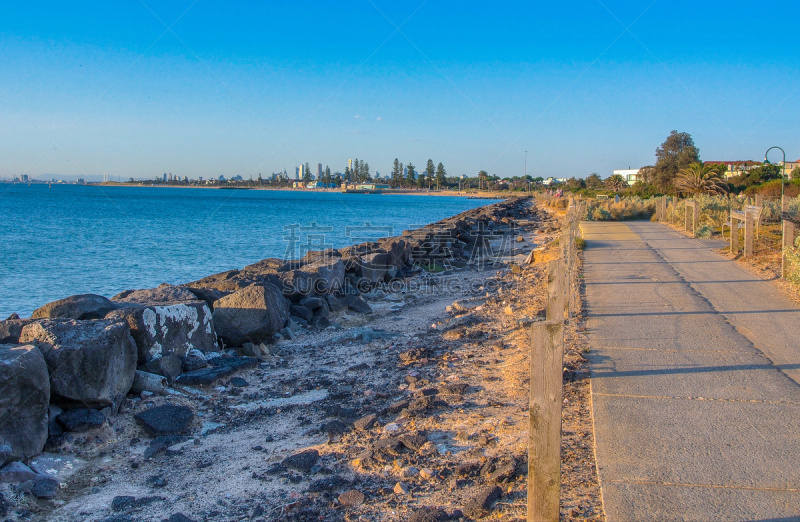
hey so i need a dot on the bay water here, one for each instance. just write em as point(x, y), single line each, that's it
point(72, 239)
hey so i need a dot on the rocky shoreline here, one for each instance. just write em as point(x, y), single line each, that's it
point(115, 387)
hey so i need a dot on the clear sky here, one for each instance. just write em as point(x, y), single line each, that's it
point(199, 88)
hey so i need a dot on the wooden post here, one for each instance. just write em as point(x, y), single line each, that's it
point(759, 200)
point(686, 216)
point(748, 234)
point(555, 290)
point(544, 437)
point(784, 204)
point(695, 217)
point(734, 235)
point(787, 243)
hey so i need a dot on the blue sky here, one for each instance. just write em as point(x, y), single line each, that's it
point(249, 87)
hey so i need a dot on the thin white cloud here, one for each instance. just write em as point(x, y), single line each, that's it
point(357, 116)
point(379, 118)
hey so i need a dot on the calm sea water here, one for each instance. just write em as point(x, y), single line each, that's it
point(74, 239)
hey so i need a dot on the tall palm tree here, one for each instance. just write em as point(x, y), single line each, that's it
point(699, 179)
point(616, 183)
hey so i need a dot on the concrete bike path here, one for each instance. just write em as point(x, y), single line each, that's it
point(695, 371)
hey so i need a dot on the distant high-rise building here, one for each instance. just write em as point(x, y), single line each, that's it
point(165, 176)
point(297, 172)
point(350, 165)
point(24, 178)
point(319, 170)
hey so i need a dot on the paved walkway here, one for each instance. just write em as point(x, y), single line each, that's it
point(695, 380)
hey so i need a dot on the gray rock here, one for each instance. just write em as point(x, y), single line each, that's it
point(165, 293)
point(168, 419)
point(81, 419)
point(321, 322)
point(16, 472)
point(162, 330)
point(84, 306)
point(44, 488)
point(375, 266)
point(253, 314)
point(219, 367)
point(357, 303)
point(336, 304)
point(11, 329)
point(24, 398)
point(209, 295)
point(56, 466)
point(178, 517)
point(326, 276)
point(90, 362)
point(194, 360)
point(428, 514)
point(169, 366)
point(365, 422)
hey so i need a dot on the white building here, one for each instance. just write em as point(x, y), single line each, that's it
point(630, 175)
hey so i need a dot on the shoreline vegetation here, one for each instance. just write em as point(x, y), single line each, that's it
point(378, 380)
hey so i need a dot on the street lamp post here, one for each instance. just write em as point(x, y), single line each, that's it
point(783, 168)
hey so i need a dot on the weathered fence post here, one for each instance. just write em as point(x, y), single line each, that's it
point(686, 217)
point(556, 275)
point(787, 243)
point(748, 234)
point(734, 235)
point(695, 217)
point(759, 200)
point(544, 437)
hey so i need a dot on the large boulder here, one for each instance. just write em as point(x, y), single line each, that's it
point(252, 314)
point(164, 293)
point(82, 307)
point(24, 400)
point(91, 363)
point(327, 276)
point(169, 329)
point(374, 267)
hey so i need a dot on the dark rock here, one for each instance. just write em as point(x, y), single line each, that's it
point(365, 422)
point(81, 419)
point(24, 400)
point(481, 504)
point(388, 446)
point(454, 389)
point(10, 330)
point(352, 498)
point(321, 322)
point(503, 472)
point(327, 276)
point(336, 304)
point(302, 461)
point(253, 314)
point(168, 419)
point(239, 382)
point(412, 441)
point(374, 267)
point(84, 306)
point(312, 303)
point(5, 506)
point(209, 295)
point(302, 312)
point(122, 503)
point(397, 407)
point(16, 472)
point(467, 469)
point(90, 362)
point(178, 517)
point(429, 515)
point(13, 317)
point(357, 303)
point(44, 488)
point(164, 293)
point(334, 427)
point(220, 367)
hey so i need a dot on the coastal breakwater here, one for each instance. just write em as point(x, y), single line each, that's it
point(69, 366)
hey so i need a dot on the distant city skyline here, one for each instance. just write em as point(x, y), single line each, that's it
point(136, 90)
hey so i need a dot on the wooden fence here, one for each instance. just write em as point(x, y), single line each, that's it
point(546, 374)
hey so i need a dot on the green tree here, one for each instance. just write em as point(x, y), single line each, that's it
point(411, 175)
point(594, 181)
point(676, 153)
point(347, 174)
point(361, 175)
point(397, 173)
point(699, 179)
point(441, 176)
point(482, 175)
point(795, 173)
point(365, 171)
point(307, 173)
point(430, 172)
point(616, 183)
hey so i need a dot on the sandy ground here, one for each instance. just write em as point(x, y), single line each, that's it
point(442, 364)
